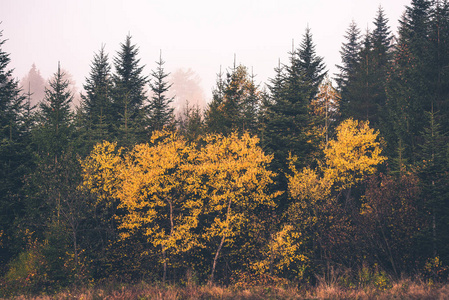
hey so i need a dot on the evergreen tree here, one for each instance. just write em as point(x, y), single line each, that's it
point(235, 105)
point(55, 117)
point(14, 153)
point(310, 64)
point(128, 95)
point(191, 123)
point(97, 102)
point(160, 109)
point(381, 59)
point(439, 59)
point(433, 172)
point(95, 119)
point(350, 59)
point(409, 90)
point(288, 121)
point(251, 107)
point(213, 113)
point(34, 84)
point(359, 93)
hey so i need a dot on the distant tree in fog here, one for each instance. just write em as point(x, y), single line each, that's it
point(33, 84)
point(186, 87)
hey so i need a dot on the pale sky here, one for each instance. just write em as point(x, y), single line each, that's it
point(196, 34)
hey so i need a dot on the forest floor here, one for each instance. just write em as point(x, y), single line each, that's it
point(404, 289)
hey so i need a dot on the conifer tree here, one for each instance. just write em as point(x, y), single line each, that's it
point(310, 64)
point(409, 90)
point(381, 58)
point(128, 95)
point(212, 116)
point(55, 116)
point(236, 103)
point(96, 102)
point(288, 121)
point(350, 58)
point(160, 111)
point(14, 152)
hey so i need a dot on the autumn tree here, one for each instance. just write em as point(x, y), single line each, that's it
point(235, 177)
point(317, 210)
point(390, 222)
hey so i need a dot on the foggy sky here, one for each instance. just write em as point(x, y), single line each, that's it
point(198, 34)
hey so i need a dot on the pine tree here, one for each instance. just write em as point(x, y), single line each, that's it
point(288, 121)
point(235, 104)
point(55, 116)
point(160, 111)
point(350, 59)
point(381, 59)
point(97, 100)
point(15, 155)
point(96, 107)
point(310, 64)
point(409, 90)
point(128, 97)
point(212, 116)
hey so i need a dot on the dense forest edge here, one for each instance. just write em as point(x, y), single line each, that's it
point(312, 185)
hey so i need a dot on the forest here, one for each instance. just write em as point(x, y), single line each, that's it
point(309, 177)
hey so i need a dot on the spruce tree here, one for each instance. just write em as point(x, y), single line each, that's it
point(409, 92)
point(235, 104)
point(213, 115)
point(288, 121)
point(310, 64)
point(55, 117)
point(160, 111)
point(381, 60)
point(128, 97)
point(350, 59)
point(15, 157)
point(97, 102)
point(96, 106)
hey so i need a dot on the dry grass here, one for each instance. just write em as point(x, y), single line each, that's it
point(404, 289)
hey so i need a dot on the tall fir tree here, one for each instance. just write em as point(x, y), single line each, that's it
point(235, 104)
point(128, 97)
point(350, 59)
point(382, 59)
point(15, 155)
point(408, 89)
point(310, 64)
point(288, 122)
point(55, 118)
point(96, 103)
point(160, 111)
point(439, 59)
point(212, 116)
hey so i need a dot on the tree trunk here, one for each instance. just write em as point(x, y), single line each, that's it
point(228, 212)
point(164, 276)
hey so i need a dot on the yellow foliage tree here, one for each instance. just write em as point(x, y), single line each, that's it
point(165, 186)
point(236, 181)
point(155, 186)
point(351, 157)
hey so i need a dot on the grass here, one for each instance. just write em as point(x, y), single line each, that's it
point(403, 289)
